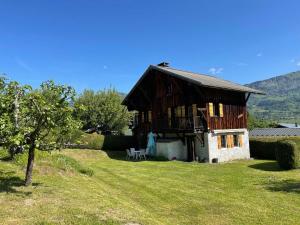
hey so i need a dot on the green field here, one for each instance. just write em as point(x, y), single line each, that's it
point(148, 192)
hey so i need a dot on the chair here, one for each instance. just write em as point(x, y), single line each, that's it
point(129, 154)
point(133, 153)
point(142, 154)
point(147, 151)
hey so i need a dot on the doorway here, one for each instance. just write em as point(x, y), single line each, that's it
point(190, 143)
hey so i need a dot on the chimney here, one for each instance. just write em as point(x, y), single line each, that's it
point(163, 64)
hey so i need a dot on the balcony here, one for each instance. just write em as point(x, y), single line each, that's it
point(183, 124)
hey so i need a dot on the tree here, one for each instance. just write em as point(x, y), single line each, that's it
point(103, 111)
point(253, 122)
point(34, 116)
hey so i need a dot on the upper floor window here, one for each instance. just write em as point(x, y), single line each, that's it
point(215, 109)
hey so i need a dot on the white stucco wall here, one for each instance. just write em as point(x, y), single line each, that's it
point(171, 148)
point(228, 154)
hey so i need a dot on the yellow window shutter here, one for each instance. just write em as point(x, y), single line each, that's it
point(241, 140)
point(231, 141)
point(219, 141)
point(183, 111)
point(228, 141)
point(221, 109)
point(211, 109)
point(194, 107)
point(150, 116)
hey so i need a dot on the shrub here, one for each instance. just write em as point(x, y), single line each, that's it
point(98, 141)
point(263, 149)
point(118, 142)
point(287, 154)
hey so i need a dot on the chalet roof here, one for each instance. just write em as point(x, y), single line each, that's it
point(271, 132)
point(198, 79)
point(206, 80)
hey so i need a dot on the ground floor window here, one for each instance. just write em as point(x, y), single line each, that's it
point(230, 141)
point(235, 140)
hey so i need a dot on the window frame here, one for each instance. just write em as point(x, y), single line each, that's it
point(223, 141)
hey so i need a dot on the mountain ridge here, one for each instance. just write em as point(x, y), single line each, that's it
point(282, 99)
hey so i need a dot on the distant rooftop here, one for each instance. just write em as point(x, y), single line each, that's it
point(289, 125)
point(275, 132)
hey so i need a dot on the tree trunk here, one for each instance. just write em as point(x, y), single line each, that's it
point(28, 178)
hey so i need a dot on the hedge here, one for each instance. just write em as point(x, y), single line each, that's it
point(262, 149)
point(287, 154)
point(98, 141)
point(265, 148)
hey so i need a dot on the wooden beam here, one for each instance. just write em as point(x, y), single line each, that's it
point(247, 98)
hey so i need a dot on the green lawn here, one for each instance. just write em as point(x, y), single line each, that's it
point(149, 192)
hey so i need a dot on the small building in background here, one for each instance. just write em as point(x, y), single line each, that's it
point(274, 132)
point(194, 116)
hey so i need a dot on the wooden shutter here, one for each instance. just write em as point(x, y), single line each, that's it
point(219, 141)
point(150, 116)
point(211, 109)
point(183, 111)
point(169, 116)
point(241, 140)
point(143, 117)
point(228, 142)
point(221, 109)
point(194, 108)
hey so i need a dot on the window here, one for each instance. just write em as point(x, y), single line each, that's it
point(215, 109)
point(235, 140)
point(223, 141)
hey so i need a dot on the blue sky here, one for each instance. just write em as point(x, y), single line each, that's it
point(97, 44)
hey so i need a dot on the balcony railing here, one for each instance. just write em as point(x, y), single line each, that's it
point(193, 124)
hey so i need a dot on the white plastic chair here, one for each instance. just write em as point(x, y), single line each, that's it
point(142, 154)
point(133, 153)
point(129, 154)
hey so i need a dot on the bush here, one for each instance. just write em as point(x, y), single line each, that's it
point(287, 154)
point(98, 141)
point(265, 148)
point(118, 142)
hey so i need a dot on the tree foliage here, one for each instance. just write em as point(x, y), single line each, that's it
point(254, 122)
point(37, 118)
point(103, 111)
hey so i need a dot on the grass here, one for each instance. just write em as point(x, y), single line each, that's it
point(148, 192)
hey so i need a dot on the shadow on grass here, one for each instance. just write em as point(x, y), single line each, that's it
point(290, 186)
point(266, 166)
point(6, 158)
point(9, 182)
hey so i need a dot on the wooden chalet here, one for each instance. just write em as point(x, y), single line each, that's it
point(189, 112)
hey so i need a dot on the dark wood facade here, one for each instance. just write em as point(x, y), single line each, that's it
point(166, 103)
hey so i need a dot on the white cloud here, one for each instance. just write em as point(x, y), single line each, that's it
point(215, 70)
point(259, 54)
point(105, 67)
point(24, 65)
point(293, 60)
point(298, 63)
